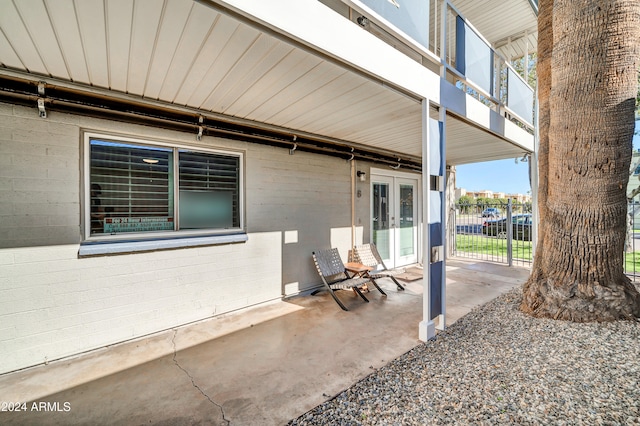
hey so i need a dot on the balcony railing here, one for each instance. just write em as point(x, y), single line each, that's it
point(436, 33)
point(469, 62)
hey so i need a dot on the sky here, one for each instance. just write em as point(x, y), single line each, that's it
point(503, 175)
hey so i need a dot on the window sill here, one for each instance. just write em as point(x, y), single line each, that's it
point(98, 248)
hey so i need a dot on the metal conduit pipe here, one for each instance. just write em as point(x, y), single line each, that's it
point(75, 101)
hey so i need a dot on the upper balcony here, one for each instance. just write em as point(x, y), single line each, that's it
point(471, 44)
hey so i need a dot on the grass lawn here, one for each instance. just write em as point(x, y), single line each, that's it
point(493, 246)
point(632, 262)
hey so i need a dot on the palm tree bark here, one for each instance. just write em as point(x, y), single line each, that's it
point(589, 53)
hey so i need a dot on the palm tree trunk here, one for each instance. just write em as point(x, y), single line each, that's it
point(589, 53)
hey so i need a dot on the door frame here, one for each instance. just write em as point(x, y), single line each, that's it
point(396, 175)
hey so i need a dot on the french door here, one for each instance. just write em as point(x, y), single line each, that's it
point(394, 219)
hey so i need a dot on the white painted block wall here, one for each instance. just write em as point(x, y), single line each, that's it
point(54, 304)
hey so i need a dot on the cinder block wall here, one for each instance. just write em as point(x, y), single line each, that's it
point(54, 304)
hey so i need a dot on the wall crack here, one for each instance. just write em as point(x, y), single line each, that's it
point(175, 361)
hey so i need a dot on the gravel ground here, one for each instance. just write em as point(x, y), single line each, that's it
point(499, 366)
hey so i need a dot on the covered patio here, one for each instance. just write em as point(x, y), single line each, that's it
point(265, 365)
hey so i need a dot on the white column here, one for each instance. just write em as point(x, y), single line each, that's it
point(426, 328)
point(444, 216)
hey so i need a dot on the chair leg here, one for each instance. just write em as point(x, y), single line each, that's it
point(400, 288)
point(378, 287)
point(357, 290)
point(344, 308)
point(330, 290)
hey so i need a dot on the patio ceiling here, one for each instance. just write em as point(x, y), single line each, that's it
point(511, 27)
point(470, 143)
point(183, 53)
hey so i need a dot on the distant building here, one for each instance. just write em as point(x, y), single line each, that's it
point(519, 198)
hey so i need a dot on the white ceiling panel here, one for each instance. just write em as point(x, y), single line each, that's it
point(235, 47)
point(469, 144)
point(20, 39)
point(206, 56)
point(118, 39)
point(144, 30)
point(92, 23)
point(195, 34)
point(62, 14)
point(339, 87)
point(301, 92)
point(317, 76)
point(343, 106)
point(286, 71)
point(36, 19)
point(8, 57)
point(236, 85)
point(498, 19)
point(173, 23)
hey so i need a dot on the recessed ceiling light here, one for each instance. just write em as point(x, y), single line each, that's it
point(150, 161)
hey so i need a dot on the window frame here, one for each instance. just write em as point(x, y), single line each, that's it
point(88, 136)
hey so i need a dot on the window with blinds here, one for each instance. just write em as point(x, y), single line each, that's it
point(145, 188)
point(209, 190)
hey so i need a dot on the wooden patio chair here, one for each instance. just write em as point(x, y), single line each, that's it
point(335, 277)
point(368, 255)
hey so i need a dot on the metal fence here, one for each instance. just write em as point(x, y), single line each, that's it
point(480, 232)
point(632, 246)
point(497, 232)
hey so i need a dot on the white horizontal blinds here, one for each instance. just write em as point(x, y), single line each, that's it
point(135, 186)
point(209, 190)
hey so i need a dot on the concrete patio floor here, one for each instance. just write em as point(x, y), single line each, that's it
point(262, 366)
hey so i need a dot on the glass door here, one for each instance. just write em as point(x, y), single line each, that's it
point(394, 221)
point(381, 219)
point(407, 223)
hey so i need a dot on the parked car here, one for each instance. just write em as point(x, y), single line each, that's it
point(521, 227)
point(491, 212)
